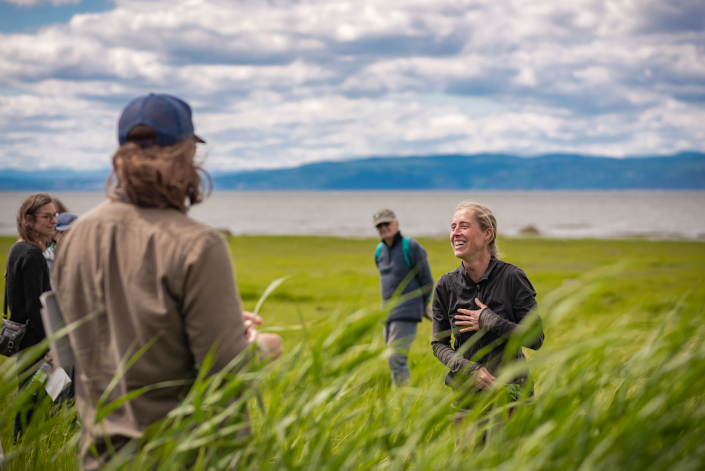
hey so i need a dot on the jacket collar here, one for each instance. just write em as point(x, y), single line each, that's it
point(485, 276)
point(397, 238)
point(119, 194)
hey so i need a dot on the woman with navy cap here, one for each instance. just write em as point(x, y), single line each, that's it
point(154, 275)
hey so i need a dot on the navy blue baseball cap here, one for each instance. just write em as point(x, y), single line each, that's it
point(64, 221)
point(168, 116)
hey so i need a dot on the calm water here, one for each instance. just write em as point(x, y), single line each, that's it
point(554, 214)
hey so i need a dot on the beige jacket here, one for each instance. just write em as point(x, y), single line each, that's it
point(148, 274)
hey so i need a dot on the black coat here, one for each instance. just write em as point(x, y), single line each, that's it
point(27, 277)
point(509, 297)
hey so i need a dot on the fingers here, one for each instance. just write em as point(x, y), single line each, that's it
point(468, 312)
point(48, 358)
point(250, 320)
point(479, 303)
point(470, 329)
point(483, 379)
point(270, 345)
point(251, 334)
point(485, 384)
point(247, 315)
point(472, 323)
point(487, 375)
point(472, 320)
point(488, 382)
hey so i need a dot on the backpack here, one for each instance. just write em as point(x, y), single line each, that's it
point(405, 248)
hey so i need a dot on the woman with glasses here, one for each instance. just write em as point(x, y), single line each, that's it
point(27, 274)
point(49, 253)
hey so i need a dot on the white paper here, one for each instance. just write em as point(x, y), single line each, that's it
point(53, 321)
point(57, 382)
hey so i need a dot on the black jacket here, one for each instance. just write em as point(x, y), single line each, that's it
point(509, 297)
point(27, 278)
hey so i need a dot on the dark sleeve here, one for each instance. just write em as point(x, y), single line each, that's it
point(440, 341)
point(34, 280)
point(424, 274)
point(523, 302)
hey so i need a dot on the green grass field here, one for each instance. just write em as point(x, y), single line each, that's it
point(619, 380)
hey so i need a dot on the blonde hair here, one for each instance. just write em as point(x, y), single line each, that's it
point(486, 220)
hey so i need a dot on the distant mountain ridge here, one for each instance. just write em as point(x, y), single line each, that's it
point(55, 179)
point(684, 171)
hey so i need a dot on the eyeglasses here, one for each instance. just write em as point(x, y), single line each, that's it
point(382, 224)
point(49, 216)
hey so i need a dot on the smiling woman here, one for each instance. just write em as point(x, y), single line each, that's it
point(28, 277)
point(36, 220)
point(480, 223)
point(482, 304)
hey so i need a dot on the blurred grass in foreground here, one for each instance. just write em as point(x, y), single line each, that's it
point(619, 380)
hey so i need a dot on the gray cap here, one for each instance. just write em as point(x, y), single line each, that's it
point(383, 215)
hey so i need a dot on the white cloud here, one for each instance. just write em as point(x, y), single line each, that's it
point(282, 83)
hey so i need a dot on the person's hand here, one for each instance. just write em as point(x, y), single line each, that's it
point(48, 358)
point(483, 378)
point(270, 345)
point(251, 320)
point(470, 318)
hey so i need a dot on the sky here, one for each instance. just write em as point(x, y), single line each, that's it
point(281, 83)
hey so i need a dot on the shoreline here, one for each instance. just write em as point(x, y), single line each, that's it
point(653, 215)
point(505, 237)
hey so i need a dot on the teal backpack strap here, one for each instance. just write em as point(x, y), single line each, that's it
point(378, 251)
point(406, 250)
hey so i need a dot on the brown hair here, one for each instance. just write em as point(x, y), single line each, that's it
point(484, 217)
point(26, 218)
point(59, 206)
point(159, 176)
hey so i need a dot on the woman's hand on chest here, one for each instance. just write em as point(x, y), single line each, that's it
point(469, 317)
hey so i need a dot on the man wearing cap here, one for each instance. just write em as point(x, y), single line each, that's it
point(62, 225)
point(148, 273)
point(401, 262)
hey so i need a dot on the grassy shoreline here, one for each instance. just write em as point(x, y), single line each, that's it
point(331, 278)
point(329, 272)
